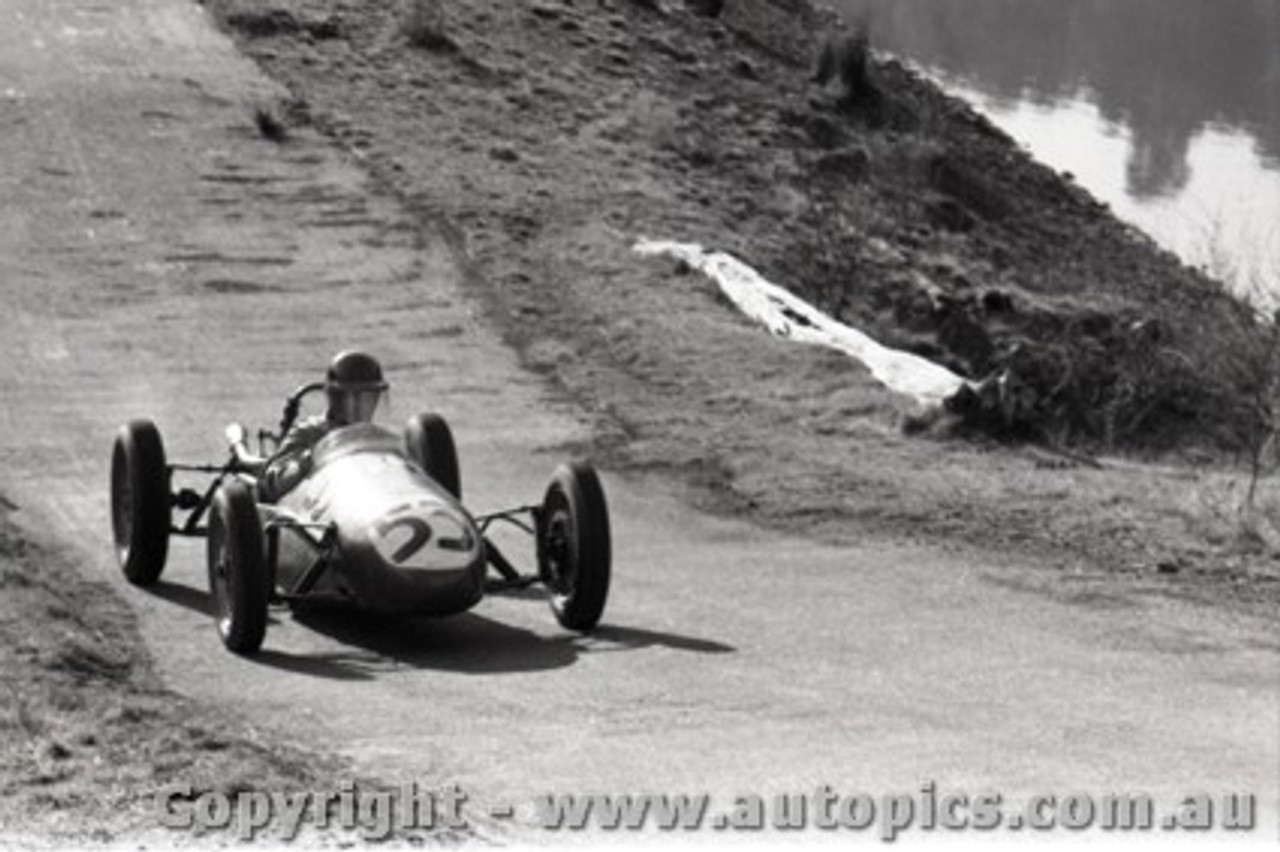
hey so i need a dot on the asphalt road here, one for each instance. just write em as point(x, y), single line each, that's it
point(158, 258)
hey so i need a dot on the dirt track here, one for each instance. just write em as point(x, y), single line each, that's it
point(161, 259)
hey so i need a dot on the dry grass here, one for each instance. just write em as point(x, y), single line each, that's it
point(1219, 511)
point(27, 720)
point(84, 724)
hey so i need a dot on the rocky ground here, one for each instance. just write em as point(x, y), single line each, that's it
point(548, 137)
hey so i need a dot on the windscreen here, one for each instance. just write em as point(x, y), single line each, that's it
point(357, 438)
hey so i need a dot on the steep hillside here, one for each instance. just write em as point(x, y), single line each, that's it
point(548, 136)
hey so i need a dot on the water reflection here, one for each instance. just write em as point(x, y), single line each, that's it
point(1183, 83)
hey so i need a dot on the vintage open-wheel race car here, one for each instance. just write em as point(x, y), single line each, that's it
point(376, 521)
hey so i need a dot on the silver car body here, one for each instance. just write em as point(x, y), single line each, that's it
point(404, 543)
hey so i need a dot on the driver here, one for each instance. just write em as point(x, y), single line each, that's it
point(354, 387)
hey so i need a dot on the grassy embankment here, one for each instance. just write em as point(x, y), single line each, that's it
point(546, 137)
point(89, 732)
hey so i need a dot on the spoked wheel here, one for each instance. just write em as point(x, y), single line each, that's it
point(140, 510)
point(429, 444)
point(237, 568)
point(573, 546)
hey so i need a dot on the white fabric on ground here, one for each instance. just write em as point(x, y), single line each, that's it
point(785, 315)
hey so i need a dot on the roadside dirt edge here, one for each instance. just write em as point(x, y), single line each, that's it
point(91, 734)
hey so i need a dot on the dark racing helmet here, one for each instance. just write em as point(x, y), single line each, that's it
point(354, 385)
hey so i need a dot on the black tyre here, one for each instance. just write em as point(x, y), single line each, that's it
point(429, 444)
point(573, 546)
point(238, 575)
point(140, 508)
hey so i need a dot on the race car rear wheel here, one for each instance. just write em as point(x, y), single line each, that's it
point(429, 444)
point(140, 510)
point(573, 546)
point(238, 575)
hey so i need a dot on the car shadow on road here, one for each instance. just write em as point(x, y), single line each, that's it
point(197, 600)
point(340, 665)
point(468, 643)
point(609, 637)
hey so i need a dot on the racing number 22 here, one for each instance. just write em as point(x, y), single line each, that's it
point(419, 535)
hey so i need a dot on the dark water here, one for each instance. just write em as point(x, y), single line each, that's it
point(1169, 110)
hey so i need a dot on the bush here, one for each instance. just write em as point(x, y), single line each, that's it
point(424, 25)
point(269, 124)
point(847, 57)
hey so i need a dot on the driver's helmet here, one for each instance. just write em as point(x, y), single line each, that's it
point(354, 385)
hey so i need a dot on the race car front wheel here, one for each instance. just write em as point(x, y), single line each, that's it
point(238, 575)
point(429, 444)
point(140, 511)
point(573, 546)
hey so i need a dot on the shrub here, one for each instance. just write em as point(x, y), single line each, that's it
point(846, 56)
point(424, 25)
point(269, 124)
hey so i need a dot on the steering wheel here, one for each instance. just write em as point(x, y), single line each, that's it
point(293, 403)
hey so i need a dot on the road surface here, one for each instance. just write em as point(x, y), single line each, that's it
point(159, 258)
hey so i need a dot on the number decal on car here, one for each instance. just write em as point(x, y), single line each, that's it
point(419, 534)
